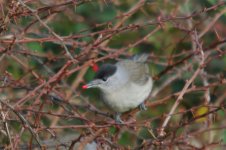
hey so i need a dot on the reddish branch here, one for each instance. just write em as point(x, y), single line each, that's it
point(32, 103)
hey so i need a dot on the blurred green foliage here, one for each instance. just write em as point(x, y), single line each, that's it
point(172, 39)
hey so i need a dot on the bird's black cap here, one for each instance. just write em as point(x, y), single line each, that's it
point(105, 71)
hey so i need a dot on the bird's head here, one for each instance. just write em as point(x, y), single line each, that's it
point(105, 78)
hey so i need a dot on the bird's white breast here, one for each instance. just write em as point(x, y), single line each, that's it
point(128, 96)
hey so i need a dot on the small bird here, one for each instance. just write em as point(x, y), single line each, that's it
point(124, 85)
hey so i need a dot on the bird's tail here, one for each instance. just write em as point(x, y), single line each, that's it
point(140, 57)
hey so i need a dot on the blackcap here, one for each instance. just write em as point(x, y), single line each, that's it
point(124, 85)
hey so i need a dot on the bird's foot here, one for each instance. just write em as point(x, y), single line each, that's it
point(118, 119)
point(142, 106)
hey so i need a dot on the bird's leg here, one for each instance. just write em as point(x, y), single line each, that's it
point(142, 106)
point(117, 118)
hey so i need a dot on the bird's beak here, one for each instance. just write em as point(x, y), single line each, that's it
point(92, 84)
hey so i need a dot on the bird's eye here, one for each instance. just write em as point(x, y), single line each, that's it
point(104, 78)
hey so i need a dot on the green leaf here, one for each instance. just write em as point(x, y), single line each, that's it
point(212, 1)
point(224, 136)
point(125, 139)
point(35, 46)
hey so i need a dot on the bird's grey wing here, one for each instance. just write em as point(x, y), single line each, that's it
point(138, 71)
point(142, 58)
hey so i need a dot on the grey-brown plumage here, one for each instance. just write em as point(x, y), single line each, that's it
point(134, 70)
point(124, 85)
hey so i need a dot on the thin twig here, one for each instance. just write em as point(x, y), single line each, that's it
point(183, 91)
point(35, 12)
point(24, 121)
